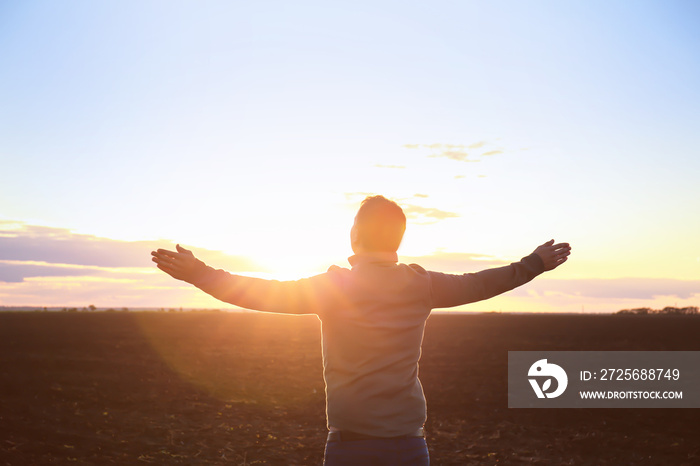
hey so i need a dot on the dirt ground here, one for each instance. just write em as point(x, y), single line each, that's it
point(245, 389)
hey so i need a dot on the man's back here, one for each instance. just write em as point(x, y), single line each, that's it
point(371, 346)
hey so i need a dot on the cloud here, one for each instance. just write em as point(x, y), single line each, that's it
point(426, 214)
point(412, 211)
point(454, 262)
point(619, 288)
point(357, 197)
point(115, 289)
point(33, 251)
point(17, 271)
point(457, 152)
point(46, 266)
point(58, 245)
point(459, 155)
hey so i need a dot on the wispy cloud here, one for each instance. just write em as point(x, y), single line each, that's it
point(458, 152)
point(426, 214)
point(18, 271)
point(619, 288)
point(61, 246)
point(419, 213)
point(459, 155)
point(454, 262)
point(33, 244)
point(120, 288)
point(47, 266)
point(357, 197)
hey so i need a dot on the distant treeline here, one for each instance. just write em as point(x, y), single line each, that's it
point(93, 308)
point(667, 310)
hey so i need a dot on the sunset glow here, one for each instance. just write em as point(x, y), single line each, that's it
point(250, 133)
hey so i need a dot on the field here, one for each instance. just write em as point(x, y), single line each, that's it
point(220, 388)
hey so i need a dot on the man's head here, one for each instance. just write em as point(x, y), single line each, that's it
point(379, 226)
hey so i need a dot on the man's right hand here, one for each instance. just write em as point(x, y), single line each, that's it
point(553, 255)
point(181, 264)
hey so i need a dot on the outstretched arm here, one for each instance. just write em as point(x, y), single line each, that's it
point(305, 296)
point(455, 290)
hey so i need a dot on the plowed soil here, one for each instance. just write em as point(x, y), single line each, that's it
point(244, 389)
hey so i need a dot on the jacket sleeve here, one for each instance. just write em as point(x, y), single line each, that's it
point(305, 296)
point(454, 290)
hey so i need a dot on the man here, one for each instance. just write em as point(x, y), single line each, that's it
point(372, 319)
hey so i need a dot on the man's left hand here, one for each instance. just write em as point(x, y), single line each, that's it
point(181, 264)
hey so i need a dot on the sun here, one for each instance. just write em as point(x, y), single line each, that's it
point(286, 251)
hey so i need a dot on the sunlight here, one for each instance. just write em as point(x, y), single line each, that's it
point(293, 266)
point(291, 240)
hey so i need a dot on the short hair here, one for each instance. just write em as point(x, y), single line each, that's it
point(380, 224)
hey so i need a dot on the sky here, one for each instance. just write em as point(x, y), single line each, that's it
point(249, 132)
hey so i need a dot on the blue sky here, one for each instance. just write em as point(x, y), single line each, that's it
point(255, 128)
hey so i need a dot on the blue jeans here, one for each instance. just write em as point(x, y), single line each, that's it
point(408, 451)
